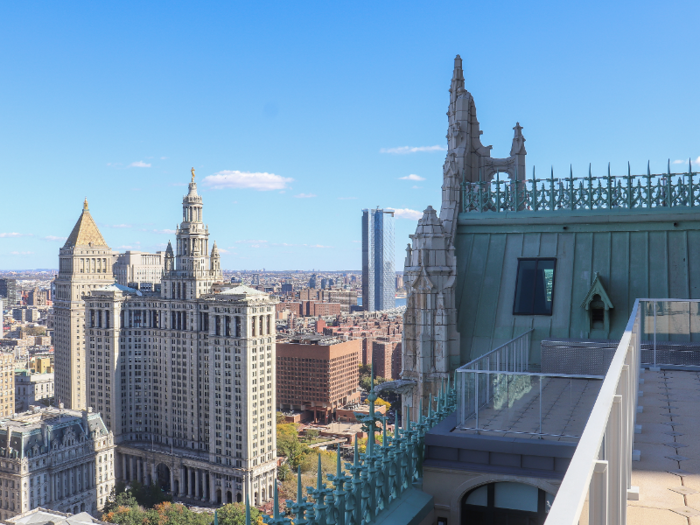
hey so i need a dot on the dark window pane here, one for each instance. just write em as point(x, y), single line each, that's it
point(526, 284)
point(535, 287)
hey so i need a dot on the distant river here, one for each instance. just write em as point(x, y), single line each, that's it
point(399, 301)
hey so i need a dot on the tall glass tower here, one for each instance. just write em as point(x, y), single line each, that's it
point(378, 274)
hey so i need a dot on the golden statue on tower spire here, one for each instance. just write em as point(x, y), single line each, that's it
point(192, 174)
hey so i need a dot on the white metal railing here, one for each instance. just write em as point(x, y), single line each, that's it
point(499, 393)
point(669, 326)
point(600, 471)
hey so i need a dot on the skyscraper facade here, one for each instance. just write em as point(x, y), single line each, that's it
point(85, 263)
point(378, 274)
point(185, 377)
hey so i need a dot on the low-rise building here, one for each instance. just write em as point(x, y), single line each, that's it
point(32, 389)
point(55, 458)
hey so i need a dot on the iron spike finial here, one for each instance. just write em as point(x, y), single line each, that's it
point(299, 493)
point(338, 467)
point(648, 168)
point(356, 455)
point(690, 165)
point(319, 476)
point(276, 512)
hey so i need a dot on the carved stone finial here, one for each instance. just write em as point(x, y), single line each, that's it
point(85, 204)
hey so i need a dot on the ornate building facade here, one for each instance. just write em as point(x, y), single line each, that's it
point(431, 346)
point(58, 459)
point(185, 377)
point(85, 263)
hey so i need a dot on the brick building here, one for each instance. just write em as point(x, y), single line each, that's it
point(318, 374)
point(386, 357)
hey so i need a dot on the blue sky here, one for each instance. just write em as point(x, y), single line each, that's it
point(299, 108)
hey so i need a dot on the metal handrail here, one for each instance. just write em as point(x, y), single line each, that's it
point(601, 466)
point(487, 354)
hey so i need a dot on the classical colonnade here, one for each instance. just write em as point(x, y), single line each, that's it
point(181, 480)
point(72, 480)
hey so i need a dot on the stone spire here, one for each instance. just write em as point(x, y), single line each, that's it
point(430, 337)
point(215, 259)
point(457, 85)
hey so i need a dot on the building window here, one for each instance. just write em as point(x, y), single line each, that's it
point(534, 288)
point(506, 502)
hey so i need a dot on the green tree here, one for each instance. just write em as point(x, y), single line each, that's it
point(120, 497)
point(234, 514)
point(283, 472)
point(34, 330)
point(288, 444)
point(280, 418)
point(379, 402)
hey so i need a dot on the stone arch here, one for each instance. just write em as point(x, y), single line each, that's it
point(263, 495)
point(82, 507)
point(163, 475)
point(239, 497)
point(461, 490)
point(229, 496)
point(218, 497)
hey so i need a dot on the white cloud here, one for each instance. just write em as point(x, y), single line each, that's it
point(54, 238)
point(234, 179)
point(405, 213)
point(403, 150)
point(412, 176)
point(15, 234)
point(249, 241)
point(305, 196)
point(696, 161)
point(22, 253)
point(163, 158)
point(139, 164)
point(223, 250)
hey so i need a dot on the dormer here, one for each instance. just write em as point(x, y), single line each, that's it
point(598, 305)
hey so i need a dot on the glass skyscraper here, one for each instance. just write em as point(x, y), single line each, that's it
point(378, 273)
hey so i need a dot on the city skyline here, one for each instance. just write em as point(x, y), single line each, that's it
point(352, 120)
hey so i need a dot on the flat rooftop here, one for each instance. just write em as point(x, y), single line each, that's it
point(668, 473)
point(558, 411)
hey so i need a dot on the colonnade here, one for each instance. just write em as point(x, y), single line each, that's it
point(186, 481)
point(72, 480)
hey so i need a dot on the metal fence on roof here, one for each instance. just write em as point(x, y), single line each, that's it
point(608, 192)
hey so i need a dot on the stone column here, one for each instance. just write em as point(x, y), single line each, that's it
point(189, 482)
point(124, 467)
point(132, 476)
point(197, 490)
point(52, 488)
point(139, 470)
point(172, 480)
point(212, 489)
point(153, 472)
point(182, 481)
